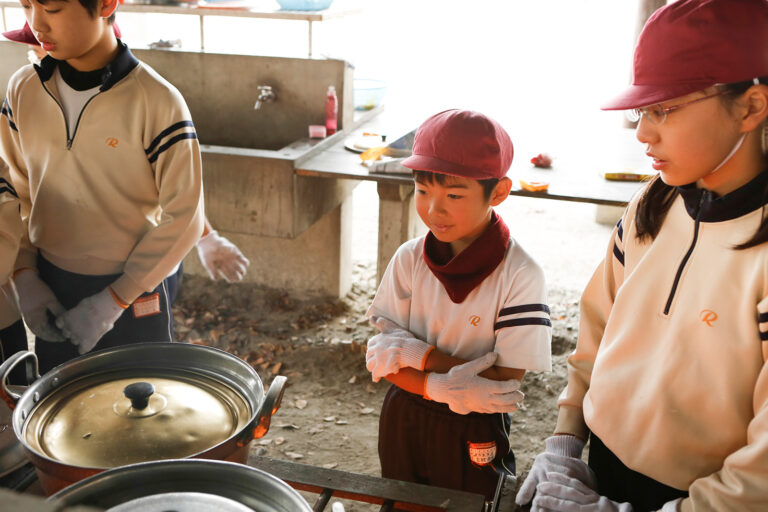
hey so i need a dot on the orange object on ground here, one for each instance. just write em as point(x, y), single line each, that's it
point(534, 186)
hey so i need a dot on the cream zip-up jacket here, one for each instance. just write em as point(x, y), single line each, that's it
point(120, 192)
point(10, 234)
point(670, 364)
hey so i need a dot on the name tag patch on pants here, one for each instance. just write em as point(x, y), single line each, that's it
point(146, 306)
point(482, 454)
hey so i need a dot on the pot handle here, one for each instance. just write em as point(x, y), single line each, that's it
point(269, 407)
point(9, 397)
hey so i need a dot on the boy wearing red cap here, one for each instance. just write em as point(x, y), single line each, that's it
point(106, 163)
point(669, 379)
point(462, 313)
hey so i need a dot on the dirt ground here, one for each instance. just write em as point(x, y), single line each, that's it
point(330, 409)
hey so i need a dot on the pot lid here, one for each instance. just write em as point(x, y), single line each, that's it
point(116, 419)
point(181, 502)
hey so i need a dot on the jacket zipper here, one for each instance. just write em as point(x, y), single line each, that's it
point(71, 139)
point(678, 275)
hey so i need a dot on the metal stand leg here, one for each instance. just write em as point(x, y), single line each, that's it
point(497, 494)
point(322, 500)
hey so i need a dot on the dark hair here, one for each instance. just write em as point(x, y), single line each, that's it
point(432, 177)
point(92, 6)
point(658, 197)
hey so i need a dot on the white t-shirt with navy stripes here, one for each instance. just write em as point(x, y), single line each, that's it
point(507, 313)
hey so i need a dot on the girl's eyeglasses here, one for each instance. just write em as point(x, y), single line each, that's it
point(657, 114)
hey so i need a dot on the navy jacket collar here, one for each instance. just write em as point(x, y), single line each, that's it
point(112, 73)
point(741, 201)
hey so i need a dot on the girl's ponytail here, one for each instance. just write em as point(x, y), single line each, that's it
point(652, 208)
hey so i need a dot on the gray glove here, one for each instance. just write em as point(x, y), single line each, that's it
point(220, 257)
point(393, 349)
point(39, 306)
point(465, 391)
point(562, 455)
point(91, 319)
point(561, 493)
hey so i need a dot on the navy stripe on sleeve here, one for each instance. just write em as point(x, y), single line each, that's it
point(619, 255)
point(166, 132)
point(7, 187)
point(763, 317)
point(763, 336)
point(174, 140)
point(6, 111)
point(522, 321)
point(525, 308)
point(4, 189)
point(620, 230)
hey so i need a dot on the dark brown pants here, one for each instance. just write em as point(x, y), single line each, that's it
point(425, 442)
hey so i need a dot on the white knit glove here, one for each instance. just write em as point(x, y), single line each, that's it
point(220, 257)
point(562, 455)
point(39, 306)
point(91, 319)
point(465, 391)
point(393, 349)
point(561, 493)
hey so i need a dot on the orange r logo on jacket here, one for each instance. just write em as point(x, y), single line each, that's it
point(707, 316)
point(112, 142)
point(474, 320)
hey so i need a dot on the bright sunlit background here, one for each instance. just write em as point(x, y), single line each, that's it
point(542, 68)
point(537, 66)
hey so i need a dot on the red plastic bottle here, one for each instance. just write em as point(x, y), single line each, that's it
point(331, 111)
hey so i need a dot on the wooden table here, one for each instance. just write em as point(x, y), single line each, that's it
point(573, 176)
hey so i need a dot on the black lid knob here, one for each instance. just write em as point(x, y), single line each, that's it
point(138, 393)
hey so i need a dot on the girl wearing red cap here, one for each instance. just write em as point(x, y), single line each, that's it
point(669, 380)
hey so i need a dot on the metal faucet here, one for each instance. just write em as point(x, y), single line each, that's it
point(266, 95)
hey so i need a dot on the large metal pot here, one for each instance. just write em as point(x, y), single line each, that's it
point(136, 403)
point(182, 485)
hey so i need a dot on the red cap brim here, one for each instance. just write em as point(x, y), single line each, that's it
point(22, 35)
point(636, 96)
point(25, 35)
point(432, 164)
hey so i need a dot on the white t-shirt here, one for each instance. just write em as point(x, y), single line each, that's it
point(72, 100)
point(507, 313)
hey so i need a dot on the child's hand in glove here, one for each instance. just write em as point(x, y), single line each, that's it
point(39, 306)
point(465, 391)
point(393, 349)
point(220, 257)
point(91, 319)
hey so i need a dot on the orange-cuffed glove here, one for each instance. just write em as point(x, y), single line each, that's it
point(92, 318)
point(394, 349)
point(465, 391)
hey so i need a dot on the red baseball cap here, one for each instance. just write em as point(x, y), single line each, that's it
point(25, 35)
point(461, 143)
point(690, 45)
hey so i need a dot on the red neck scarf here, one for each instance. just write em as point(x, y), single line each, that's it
point(462, 273)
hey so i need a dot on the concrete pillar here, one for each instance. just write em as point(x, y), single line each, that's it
point(317, 262)
point(608, 215)
point(398, 222)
